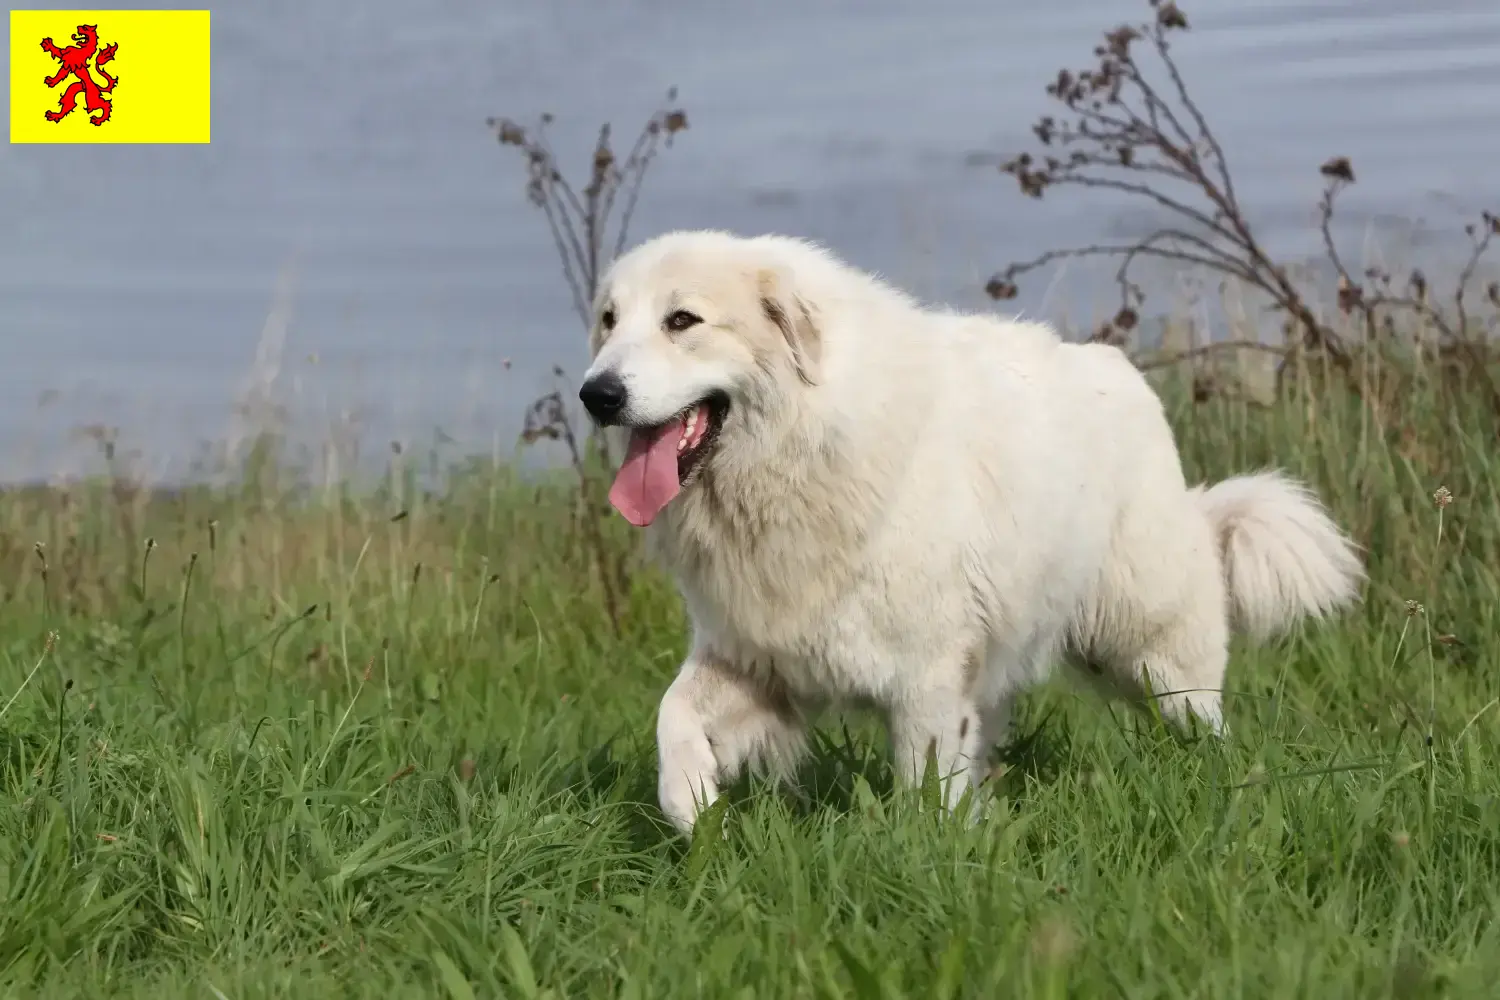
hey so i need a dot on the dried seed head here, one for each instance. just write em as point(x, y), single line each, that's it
point(1117, 42)
point(1442, 497)
point(1351, 296)
point(1000, 288)
point(1413, 608)
point(508, 132)
point(1170, 16)
point(604, 157)
point(1339, 168)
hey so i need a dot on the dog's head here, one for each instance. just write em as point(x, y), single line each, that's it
point(694, 335)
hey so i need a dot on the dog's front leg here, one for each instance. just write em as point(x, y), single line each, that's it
point(714, 719)
point(946, 725)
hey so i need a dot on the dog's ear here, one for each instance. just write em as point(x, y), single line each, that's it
point(795, 318)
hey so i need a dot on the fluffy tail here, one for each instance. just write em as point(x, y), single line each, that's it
point(1284, 559)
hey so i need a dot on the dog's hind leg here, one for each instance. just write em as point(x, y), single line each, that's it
point(1187, 678)
point(715, 718)
point(1181, 670)
point(1158, 628)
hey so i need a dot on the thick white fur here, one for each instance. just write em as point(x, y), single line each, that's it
point(924, 511)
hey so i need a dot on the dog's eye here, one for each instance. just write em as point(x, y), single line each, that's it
point(607, 319)
point(681, 320)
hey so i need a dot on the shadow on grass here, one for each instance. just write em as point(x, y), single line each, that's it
point(621, 775)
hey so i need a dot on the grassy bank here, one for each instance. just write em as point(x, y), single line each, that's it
point(375, 742)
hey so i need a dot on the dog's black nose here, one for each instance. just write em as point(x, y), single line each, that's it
point(604, 397)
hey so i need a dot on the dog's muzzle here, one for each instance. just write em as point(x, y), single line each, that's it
point(604, 396)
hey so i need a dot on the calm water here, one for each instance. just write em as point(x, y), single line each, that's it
point(350, 148)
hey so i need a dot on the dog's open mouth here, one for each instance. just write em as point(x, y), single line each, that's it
point(664, 458)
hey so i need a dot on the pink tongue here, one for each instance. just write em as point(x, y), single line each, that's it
point(647, 480)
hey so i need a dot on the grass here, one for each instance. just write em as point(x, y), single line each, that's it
point(376, 741)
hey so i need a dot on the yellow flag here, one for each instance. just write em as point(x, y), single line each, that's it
point(109, 76)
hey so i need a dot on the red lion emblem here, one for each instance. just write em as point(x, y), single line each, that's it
point(75, 62)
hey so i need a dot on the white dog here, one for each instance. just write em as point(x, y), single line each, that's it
point(864, 501)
